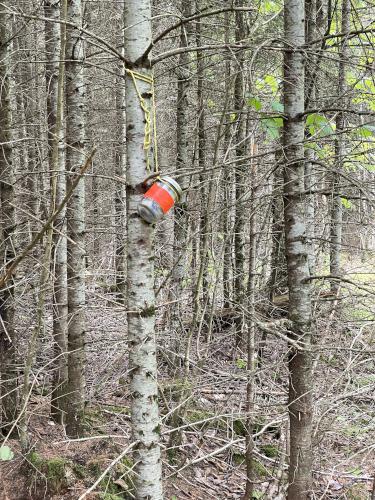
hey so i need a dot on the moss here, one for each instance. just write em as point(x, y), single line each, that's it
point(80, 471)
point(120, 410)
point(259, 469)
point(269, 450)
point(172, 455)
point(357, 492)
point(239, 427)
point(119, 483)
point(172, 390)
point(53, 470)
point(238, 458)
point(194, 416)
point(110, 496)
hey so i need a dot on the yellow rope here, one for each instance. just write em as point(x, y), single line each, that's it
point(150, 117)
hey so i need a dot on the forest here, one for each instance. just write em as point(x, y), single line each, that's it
point(187, 242)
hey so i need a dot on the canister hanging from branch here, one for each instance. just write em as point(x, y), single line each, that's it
point(159, 198)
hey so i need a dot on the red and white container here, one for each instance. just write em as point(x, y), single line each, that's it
point(160, 198)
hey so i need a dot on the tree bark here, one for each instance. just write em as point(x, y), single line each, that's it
point(182, 150)
point(336, 210)
point(8, 392)
point(75, 154)
point(120, 195)
point(55, 52)
point(300, 377)
point(240, 176)
point(140, 265)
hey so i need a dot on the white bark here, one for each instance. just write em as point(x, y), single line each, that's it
point(55, 51)
point(300, 385)
point(75, 157)
point(140, 267)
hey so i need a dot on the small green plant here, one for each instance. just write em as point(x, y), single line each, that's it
point(241, 363)
point(269, 450)
point(6, 453)
point(53, 471)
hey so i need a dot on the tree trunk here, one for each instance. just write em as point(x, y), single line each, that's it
point(120, 195)
point(182, 146)
point(336, 210)
point(240, 176)
point(75, 155)
point(55, 51)
point(8, 393)
point(310, 12)
point(140, 265)
point(300, 378)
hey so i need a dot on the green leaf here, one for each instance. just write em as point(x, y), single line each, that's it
point(241, 363)
point(210, 103)
point(346, 203)
point(277, 106)
point(6, 453)
point(272, 126)
point(356, 471)
point(365, 131)
point(272, 82)
point(233, 117)
point(258, 495)
point(318, 124)
point(255, 103)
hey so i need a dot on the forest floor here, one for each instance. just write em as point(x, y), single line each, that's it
point(210, 460)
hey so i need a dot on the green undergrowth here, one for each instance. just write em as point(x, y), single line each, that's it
point(55, 475)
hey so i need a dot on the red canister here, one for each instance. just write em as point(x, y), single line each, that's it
point(160, 198)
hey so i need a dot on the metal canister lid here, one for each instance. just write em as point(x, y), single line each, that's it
point(173, 184)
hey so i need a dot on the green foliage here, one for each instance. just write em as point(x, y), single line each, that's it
point(110, 496)
point(172, 390)
point(238, 458)
point(6, 454)
point(254, 103)
point(241, 363)
point(277, 106)
point(318, 125)
point(346, 203)
point(272, 82)
point(53, 470)
point(269, 7)
point(239, 427)
point(365, 131)
point(269, 450)
point(259, 469)
point(258, 495)
point(195, 416)
point(272, 127)
point(357, 492)
point(356, 471)
point(268, 83)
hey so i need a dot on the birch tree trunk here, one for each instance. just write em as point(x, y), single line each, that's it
point(336, 211)
point(8, 392)
point(75, 155)
point(55, 52)
point(300, 377)
point(140, 265)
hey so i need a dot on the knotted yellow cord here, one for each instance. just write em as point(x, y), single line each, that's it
point(150, 117)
